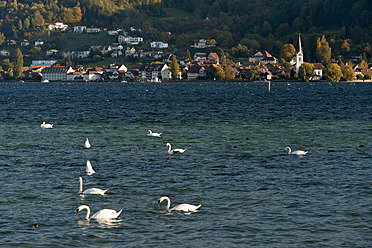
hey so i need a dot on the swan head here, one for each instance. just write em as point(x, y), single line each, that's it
point(81, 207)
point(161, 199)
point(149, 131)
point(167, 145)
point(287, 149)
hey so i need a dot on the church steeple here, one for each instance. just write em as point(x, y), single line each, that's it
point(299, 55)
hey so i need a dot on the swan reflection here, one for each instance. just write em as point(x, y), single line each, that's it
point(103, 223)
point(109, 223)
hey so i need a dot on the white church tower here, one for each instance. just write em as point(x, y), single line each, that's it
point(299, 55)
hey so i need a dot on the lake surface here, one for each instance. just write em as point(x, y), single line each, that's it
point(252, 193)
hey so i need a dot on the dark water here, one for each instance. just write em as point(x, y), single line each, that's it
point(252, 193)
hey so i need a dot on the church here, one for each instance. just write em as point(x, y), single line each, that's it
point(298, 60)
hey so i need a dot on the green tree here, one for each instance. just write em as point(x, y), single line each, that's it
point(18, 63)
point(347, 73)
point(288, 52)
point(240, 51)
point(254, 73)
point(367, 77)
point(359, 76)
point(306, 72)
point(345, 47)
point(37, 20)
point(188, 55)
point(174, 67)
point(283, 29)
point(333, 73)
point(68, 61)
point(36, 51)
point(323, 50)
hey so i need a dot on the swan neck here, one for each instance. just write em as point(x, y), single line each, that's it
point(81, 184)
point(88, 212)
point(168, 202)
point(170, 148)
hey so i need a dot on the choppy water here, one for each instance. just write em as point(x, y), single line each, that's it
point(252, 193)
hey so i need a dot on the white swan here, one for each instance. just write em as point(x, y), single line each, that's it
point(299, 152)
point(178, 150)
point(46, 125)
point(181, 207)
point(101, 214)
point(87, 144)
point(150, 133)
point(89, 168)
point(91, 191)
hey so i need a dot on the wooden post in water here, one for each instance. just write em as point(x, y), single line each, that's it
point(268, 76)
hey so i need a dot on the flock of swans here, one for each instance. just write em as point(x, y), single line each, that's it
point(113, 214)
point(110, 213)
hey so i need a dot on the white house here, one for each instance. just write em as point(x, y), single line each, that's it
point(198, 57)
point(201, 44)
point(130, 51)
point(58, 26)
point(166, 74)
point(129, 40)
point(25, 43)
point(318, 71)
point(158, 44)
point(263, 57)
point(56, 73)
point(92, 30)
point(79, 29)
point(4, 52)
point(113, 32)
point(37, 63)
point(39, 42)
point(152, 72)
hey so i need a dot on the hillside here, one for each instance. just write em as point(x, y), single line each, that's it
point(254, 24)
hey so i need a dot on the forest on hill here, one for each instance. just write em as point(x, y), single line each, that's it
point(233, 24)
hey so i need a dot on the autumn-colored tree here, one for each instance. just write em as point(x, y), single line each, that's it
point(347, 73)
point(18, 63)
point(2, 38)
point(323, 50)
point(363, 64)
point(219, 73)
point(174, 67)
point(333, 73)
point(229, 72)
point(306, 72)
point(6, 64)
point(288, 52)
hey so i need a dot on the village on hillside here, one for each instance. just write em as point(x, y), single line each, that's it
point(160, 65)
